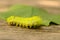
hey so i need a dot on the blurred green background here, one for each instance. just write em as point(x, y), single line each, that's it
point(52, 6)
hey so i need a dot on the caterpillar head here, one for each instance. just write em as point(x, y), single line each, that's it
point(10, 20)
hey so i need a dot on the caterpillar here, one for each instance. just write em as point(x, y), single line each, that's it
point(31, 22)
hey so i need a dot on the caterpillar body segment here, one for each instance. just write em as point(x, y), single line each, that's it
point(17, 20)
point(31, 22)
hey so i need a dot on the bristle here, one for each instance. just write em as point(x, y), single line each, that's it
point(16, 24)
point(21, 25)
point(12, 24)
point(28, 26)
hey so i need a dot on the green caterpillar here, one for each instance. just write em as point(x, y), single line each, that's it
point(31, 22)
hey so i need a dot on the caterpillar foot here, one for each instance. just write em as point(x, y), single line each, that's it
point(12, 24)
